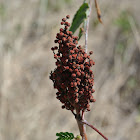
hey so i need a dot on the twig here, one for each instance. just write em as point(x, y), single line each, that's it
point(81, 122)
point(85, 122)
point(80, 118)
point(87, 26)
point(81, 126)
point(83, 117)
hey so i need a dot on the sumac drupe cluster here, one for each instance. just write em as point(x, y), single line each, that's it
point(72, 77)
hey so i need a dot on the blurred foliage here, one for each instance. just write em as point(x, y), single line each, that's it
point(18, 29)
point(138, 117)
point(120, 48)
point(125, 34)
point(95, 23)
point(56, 5)
point(123, 22)
point(2, 10)
point(132, 82)
point(68, 1)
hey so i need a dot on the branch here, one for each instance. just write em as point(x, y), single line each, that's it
point(81, 126)
point(87, 26)
point(85, 122)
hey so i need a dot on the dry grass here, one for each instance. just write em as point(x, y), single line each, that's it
point(28, 107)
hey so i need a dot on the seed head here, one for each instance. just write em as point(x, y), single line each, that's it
point(72, 77)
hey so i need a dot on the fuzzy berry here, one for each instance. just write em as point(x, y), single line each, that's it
point(68, 16)
point(72, 77)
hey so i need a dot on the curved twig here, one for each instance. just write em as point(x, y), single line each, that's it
point(85, 122)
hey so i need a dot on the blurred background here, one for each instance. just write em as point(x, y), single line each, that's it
point(29, 109)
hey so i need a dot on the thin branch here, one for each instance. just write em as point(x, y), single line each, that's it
point(83, 118)
point(98, 11)
point(87, 25)
point(85, 122)
point(81, 125)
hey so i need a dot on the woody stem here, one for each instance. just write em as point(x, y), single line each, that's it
point(81, 126)
point(87, 26)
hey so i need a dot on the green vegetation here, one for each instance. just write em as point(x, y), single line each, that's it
point(57, 5)
point(132, 82)
point(79, 17)
point(125, 32)
point(80, 33)
point(120, 47)
point(2, 10)
point(65, 136)
point(123, 21)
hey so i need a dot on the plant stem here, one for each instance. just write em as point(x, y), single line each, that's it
point(87, 26)
point(85, 122)
point(81, 125)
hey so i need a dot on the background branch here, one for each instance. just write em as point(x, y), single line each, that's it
point(87, 26)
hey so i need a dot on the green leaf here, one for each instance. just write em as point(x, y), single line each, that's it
point(81, 32)
point(58, 134)
point(65, 136)
point(79, 17)
point(70, 134)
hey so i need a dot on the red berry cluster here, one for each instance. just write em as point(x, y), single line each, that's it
point(72, 77)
